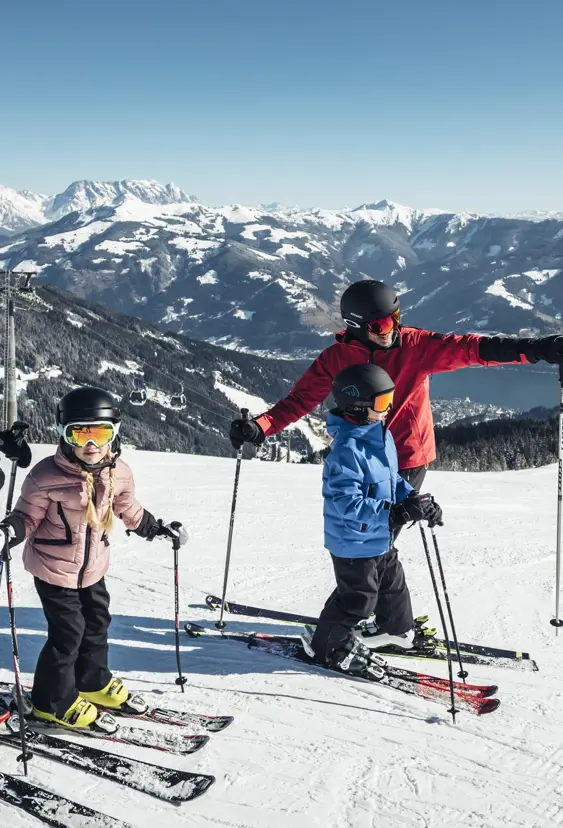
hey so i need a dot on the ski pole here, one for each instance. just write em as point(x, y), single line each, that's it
point(18, 429)
point(25, 755)
point(556, 621)
point(453, 711)
point(181, 680)
point(220, 624)
point(462, 671)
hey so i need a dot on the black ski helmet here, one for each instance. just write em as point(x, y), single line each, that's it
point(366, 301)
point(355, 388)
point(87, 404)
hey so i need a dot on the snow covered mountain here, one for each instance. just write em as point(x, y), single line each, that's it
point(22, 209)
point(268, 279)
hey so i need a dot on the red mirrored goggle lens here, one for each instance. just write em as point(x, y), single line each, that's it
point(384, 326)
point(80, 434)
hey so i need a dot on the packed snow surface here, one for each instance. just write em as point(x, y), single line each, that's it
point(306, 748)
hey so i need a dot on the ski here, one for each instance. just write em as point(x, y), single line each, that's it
point(489, 655)
point(163, 783)
point(107, 728)
point(482, 691)
point(162, 715)
point(440, 654)
point(52, 808)
point(472, 698)
point(178, 718)
point(135, 736)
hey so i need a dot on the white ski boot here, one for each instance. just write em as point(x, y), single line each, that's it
point(420, 637)
point(380, 640)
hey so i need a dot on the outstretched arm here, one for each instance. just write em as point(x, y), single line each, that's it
point(449, 352)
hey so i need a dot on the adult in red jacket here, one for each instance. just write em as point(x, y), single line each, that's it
point(374, 334)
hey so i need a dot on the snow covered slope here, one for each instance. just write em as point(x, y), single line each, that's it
point(308, 749)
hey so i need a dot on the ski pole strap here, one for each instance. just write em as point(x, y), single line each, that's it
point(5, 554)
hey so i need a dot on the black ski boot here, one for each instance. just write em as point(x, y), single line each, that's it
point(359, 661)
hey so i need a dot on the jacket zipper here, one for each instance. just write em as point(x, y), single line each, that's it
point(87, 544)
point(370, 490)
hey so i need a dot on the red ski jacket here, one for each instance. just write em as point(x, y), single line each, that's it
point(418, 354)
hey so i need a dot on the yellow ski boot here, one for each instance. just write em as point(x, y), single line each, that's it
point(113, 696)
point(81, 714)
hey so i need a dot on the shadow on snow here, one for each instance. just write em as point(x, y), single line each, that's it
point(147, 644)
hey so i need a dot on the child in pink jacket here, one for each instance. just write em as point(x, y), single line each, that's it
point(66, 511)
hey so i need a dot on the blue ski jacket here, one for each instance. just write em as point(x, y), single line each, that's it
point(360, 484)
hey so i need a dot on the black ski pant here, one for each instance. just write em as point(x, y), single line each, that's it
point(75, 656)
point(363, 586)
point(415, 477)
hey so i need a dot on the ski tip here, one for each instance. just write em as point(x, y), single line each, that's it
point(488, 706)
point(216, 724)
point(195, 743)
point(491, 690)
point(203, 786)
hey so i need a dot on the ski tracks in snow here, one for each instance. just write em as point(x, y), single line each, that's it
point(309, 750)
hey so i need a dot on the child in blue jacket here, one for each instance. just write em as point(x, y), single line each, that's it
point(365, 502)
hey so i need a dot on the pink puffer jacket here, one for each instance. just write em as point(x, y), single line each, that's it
point(61, 548)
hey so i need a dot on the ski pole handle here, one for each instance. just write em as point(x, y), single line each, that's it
point(175, 538)
point(245, 415)
point(18, 428)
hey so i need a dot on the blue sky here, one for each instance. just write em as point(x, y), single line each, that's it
point(313, 102)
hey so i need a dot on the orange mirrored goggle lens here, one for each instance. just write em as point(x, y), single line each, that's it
point(80, 434)
point(385, 325)
point(383, 402)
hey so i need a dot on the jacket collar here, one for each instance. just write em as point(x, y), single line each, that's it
point(347, 337)
point(68, 467)
point(372, 433)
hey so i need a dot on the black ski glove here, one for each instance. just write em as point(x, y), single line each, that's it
point(547, 349)
point(14, 446)
point(416, 507)
point(15, 527)
point(245, 431)
point(148, 528)
point(509, 349)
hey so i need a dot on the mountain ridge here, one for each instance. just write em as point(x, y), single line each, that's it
point(268, 281)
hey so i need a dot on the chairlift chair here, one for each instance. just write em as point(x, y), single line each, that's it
point(178, 401)
point(138, 397)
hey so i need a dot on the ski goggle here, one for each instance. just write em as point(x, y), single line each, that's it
point(380, 404)
point(383, 402)
point(79, 435)
point(381, 327)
